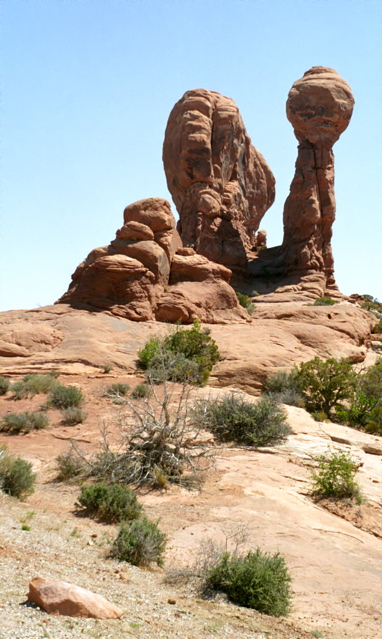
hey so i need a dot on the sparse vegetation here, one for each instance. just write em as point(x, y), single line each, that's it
point(282, 387)
point(4, 385)
point(326, 300)
point(16, 476)
point(116, 390)
point(70, 465)
point(73, 415)
point(139, 542)
point(65, 396)
point(33, 384)
point(185, 356)
point(246, 302)
point(335, 476)
point(141, 391)
point(110, 502)
point(256, 580)
point(234, 419)
point(23, 422)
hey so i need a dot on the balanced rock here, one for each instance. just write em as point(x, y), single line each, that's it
point(220, 183)
point(319, 108)
point(62, 598)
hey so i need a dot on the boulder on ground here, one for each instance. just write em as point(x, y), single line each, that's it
point(62, 598)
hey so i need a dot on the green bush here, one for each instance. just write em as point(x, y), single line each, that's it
point(366, 398)
point(70, 464)
point(246, 302)
point(326, 300)
point(324, 385)
point(23, 422)
point(118, 389)
point(335, 476)
point(374, 422)
point(378, 327)
point(139, 542)
point(4, 385)
point(110, 502)
point(33, 384)
point(282, 387)
point(257, 580)
point(170, 358)
point(73, 415)
point(16, 476)
point(232, 418)
point(141, 391)
point(65, 396)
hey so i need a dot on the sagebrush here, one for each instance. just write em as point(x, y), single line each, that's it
point(16, 475)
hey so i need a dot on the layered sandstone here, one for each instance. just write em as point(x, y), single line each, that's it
point(220, 183)
point(133, 276)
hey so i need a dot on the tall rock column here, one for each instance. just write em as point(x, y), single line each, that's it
point(319, 107)
point(220, 183)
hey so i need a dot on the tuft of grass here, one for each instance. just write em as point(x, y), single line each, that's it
point(16, 476)
point(65, 396)
point(335, 476)
point(246, 302)
point(70, 465)
point(139, 542)
point(256, 580)
point(4, 385)
point(33, 384)
point(23, 422)
point(141, 391)
point(234, 419)
point(117, 390)
point(73, 415)
point(110, 502)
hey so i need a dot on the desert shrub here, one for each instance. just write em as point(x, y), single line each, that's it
point(366, 398)
point(232, 418)
point(372, 305)
point(118, 389)
point(377, 328)
point(33, 384)
point(282, 387)
point(168, 355)
point(4, 385)
point(16, 476)
point(73, 415)
point(326, 300)
point(160, 442)
point(23, 422)
point(110, 502)
point(256, 580)
point(335, 476)
point(141, 391)
point(324, 385)
point(70, 464)
point(65, 396)
point(374, 422)
point(246, 302)
point(139, 542)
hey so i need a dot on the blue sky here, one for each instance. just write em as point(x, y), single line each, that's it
point(86, 90)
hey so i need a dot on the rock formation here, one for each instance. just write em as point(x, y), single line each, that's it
point(133, 276)
point(62, 598)
point(220, 183)
point(319, 107)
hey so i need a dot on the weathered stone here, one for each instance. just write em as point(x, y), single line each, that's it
point(135, 231)
point(149, 253)
point(62, 598)
point(154, 212)
point(196, 268)
point(220, 183)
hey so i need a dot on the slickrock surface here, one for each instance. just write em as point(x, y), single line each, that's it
point(277, 336)
point(220, 183)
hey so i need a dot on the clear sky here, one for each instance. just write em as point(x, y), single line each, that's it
point(86, 90)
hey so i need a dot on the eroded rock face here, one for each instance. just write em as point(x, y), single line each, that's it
point(220, 183)
point(62, 598)
point(133, 276)
point(319, 108)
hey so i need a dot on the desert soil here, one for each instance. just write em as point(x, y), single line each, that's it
point(333, 549)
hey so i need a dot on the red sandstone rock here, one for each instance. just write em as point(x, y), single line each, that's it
point(319, 107)
point(220, 183)
point(62, 598)
point(197, 268)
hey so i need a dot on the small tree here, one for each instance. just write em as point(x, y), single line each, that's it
point(325, 384)
point(335, 476)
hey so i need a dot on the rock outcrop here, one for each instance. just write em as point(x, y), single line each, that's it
point(62, 598)
point(133, 276)
point(319, 107)
point(220, 183)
